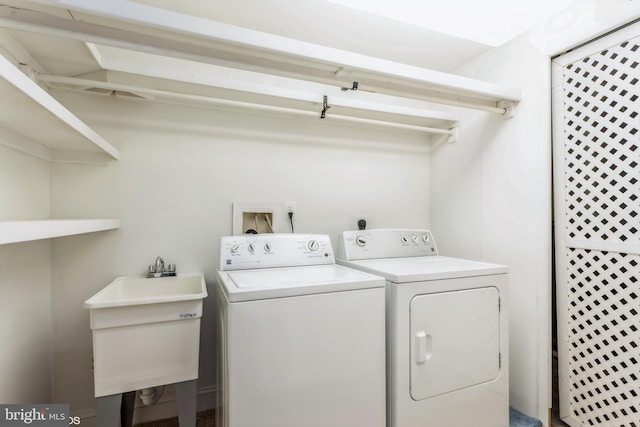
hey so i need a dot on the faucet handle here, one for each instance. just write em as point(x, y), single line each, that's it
point(151, 271)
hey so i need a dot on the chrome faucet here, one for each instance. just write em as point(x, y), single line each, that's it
point(158, 270)
point(159, 265)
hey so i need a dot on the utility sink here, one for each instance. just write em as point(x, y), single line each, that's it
point(146, 332)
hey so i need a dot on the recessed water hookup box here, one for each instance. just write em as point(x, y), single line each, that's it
point(256, 218)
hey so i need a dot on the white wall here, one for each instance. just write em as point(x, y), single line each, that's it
point(180, 171)
point(182, 168)
point(491, 192)
point(25, 276)
point(491, 195)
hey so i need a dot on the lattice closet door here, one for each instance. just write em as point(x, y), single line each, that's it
point(596, 120)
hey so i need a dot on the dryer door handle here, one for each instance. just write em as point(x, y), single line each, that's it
point(422, 347)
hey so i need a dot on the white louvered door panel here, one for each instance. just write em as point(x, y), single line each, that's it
point(596, 114)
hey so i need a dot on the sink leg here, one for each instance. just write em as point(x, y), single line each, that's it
point(186, 399)
point(108, 410)
point(126, 409)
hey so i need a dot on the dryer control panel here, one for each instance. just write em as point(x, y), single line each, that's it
point(385, 243)
point(274, 250)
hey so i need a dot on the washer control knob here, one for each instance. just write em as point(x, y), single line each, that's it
point(267, 247)
point(426, 239)
point(414, 239)
point(361, 241)
point(313, 245)
point(235, 248)
point(251, 247)
point(404, 240)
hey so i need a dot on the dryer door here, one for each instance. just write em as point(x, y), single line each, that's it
point(455, 341)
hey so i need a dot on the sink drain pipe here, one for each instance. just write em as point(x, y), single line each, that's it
point(150, 396)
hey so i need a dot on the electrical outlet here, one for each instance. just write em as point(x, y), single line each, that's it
point(357, 218)
point(289, 214)
point(290, 207)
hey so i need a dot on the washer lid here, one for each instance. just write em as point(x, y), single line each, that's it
point(418, 269)
point(247, 285)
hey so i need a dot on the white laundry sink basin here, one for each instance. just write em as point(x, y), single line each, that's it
point(146, 332)
point(137, 290)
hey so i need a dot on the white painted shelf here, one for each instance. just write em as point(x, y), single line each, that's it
point(145, 28)
point(35, 123)
point(24, 231)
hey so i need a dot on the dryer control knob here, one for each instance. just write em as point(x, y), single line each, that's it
point(361, 241)
point(251, 247)
point(415, 239)
point(267, 247)
point(313, 245)
point(425, 238)
point(235, 249)
point(404, 240)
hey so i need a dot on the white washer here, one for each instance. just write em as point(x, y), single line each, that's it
point(302, 338)
point(447, 336)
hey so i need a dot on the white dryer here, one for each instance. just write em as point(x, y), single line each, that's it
point(447, 330)
point(302, 338)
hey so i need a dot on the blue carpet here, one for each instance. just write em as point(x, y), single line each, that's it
point(518, 419)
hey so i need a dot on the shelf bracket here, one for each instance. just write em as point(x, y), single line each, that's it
point(325, 107)
point(453, 138)
point(508, 106)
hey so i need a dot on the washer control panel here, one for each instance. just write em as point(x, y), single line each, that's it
point(385, 243)
point(250, 251)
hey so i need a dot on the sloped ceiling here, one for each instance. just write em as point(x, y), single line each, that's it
point(328, 24)
point(315, 21)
